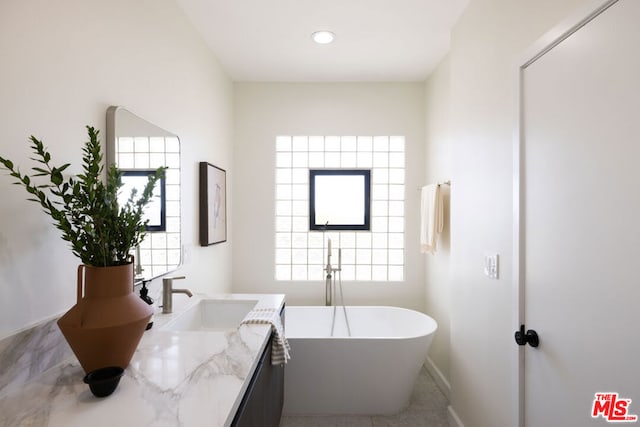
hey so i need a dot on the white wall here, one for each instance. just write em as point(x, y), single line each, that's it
point(474, 88)
point(265, 110)
point(63, 64)
point(437, 276)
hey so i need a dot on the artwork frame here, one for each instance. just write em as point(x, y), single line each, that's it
point(213, 204)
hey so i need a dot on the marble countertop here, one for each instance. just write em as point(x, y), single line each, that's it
point(184, 378)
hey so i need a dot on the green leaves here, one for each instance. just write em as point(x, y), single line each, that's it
point(56, 176)
point(8, 164)
point(85, 208)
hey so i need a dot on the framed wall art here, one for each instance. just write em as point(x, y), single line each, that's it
point(213, 204)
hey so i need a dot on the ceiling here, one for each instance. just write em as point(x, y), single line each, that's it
point(376, 40)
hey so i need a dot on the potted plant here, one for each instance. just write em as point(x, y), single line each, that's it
point(106, 324)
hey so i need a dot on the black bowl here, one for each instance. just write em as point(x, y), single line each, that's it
point(104, 381)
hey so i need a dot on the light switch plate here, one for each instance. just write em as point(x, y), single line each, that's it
point(491, 266)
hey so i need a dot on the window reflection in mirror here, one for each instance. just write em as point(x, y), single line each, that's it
point(339, 199)
point(155, 211)
point(137, 146)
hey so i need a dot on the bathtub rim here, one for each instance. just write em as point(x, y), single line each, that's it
point(381, 337)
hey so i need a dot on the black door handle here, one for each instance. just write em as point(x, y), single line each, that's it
point(530, 337)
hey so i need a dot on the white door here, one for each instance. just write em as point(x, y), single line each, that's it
point(580, 223)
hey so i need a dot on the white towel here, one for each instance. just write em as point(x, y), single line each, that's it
point(431, 218)
point(280, 346)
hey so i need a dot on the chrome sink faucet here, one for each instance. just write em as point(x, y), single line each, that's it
point(168, 291)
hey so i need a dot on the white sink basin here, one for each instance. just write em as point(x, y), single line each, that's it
point(212, 315)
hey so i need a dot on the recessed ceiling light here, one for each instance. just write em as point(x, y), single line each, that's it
point(323, 37)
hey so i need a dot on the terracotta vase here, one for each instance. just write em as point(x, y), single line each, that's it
point(108, 320)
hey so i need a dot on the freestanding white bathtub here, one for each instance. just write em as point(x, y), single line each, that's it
point(372, 372)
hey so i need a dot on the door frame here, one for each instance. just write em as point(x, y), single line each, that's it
point(574, 22)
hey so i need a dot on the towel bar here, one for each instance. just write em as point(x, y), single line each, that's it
point(440, 183)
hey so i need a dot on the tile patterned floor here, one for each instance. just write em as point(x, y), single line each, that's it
point(427, 408)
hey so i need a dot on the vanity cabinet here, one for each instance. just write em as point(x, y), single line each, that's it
point(262, 403)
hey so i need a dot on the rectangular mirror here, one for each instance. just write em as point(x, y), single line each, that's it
point(339, 199)
point(137, 147)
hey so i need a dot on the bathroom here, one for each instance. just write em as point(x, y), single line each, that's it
point(458, 123)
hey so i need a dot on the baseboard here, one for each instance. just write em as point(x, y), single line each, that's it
point(439, 378)
point(454, 420)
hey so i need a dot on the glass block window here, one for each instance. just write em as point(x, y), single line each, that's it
point(375, 255)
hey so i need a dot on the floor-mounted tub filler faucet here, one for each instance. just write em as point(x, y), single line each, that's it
point(330, 283)
point(332, 272)
point(168, 291)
